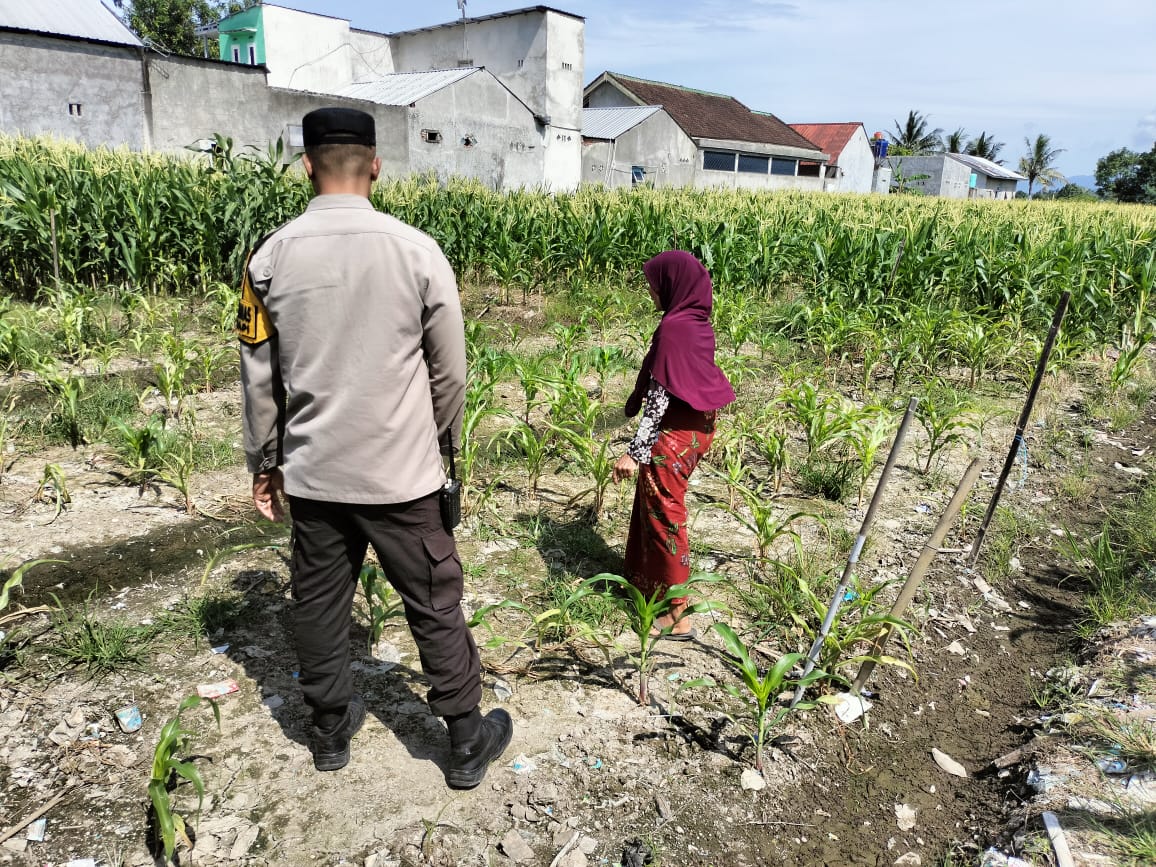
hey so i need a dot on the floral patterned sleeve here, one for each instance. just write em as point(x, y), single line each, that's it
point(657, 401)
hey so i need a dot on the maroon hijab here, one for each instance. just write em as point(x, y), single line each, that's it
point(681, 356)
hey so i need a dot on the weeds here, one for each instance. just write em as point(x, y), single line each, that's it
point(101, 648)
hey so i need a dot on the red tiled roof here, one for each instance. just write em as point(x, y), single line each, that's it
point(830, 137)
point(711, 115)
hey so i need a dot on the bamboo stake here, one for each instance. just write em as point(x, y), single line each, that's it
point(856, 549)
point(918, 570)
point(1021, 426)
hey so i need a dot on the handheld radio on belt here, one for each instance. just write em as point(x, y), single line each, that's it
point(450, 500)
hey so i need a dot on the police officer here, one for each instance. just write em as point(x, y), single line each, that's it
point(353, 370)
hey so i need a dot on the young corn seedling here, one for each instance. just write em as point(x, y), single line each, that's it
point(943, 415)
point(760, 691)
point(871, 431)
point(383, 601)
point(53, 489)
point(824, 418)
point(762, 519)
point(532, 447)
point(855, 624)
point(177, 469)
point(171, 826)
point(593, 459)
point(144, 449)
point(642, 612)
point(66, 387)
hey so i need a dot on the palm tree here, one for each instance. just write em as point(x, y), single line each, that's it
point(953, 142)
point(914, 138)
point(1038, 164)
point(986, 147)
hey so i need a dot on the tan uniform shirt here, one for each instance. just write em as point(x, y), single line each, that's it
point(353, 361)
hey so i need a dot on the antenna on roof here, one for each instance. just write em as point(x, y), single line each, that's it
point(462, 6)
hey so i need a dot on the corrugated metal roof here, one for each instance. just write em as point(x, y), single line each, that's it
point(702, 114)
point(610, 123)
point(992, 170)
point(830, 137)
point(404, 88)
point(84, 19)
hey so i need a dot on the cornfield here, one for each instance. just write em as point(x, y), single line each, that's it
point(157, 224)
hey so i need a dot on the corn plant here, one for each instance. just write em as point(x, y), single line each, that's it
point(171, 373)
point(869, 434)
point(6, 435)
point(943, 415)
point(177, 467)
point(53, 489)
point(166, 769)
point(532, 447)
point(14, 580)
point(824, 417)
point(383, 601)
point(66, 387)
point(759, 515)
point(143, 448)
point(642, 612)
point(771, 446)
point(593, 459)
point(855, 624)
point(760, 690)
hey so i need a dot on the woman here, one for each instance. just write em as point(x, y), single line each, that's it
point(679, 390)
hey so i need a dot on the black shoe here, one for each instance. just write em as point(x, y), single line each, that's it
point(331, 751)
point(468, 762)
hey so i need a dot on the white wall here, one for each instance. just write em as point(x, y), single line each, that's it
point(946, 177)
point(506, 152)
point(856, 166)
point(370, 54)
point(657, 144)
point(305, 51)
point(40, 76)
point(538, 55)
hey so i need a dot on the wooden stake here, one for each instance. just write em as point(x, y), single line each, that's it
point(918, 570)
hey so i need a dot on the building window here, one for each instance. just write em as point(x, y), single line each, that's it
point(295, 135)
point(717, 161)
point(808, 170)
point(784, 166)
point(252, 55)
point(466, 61)
point(431, 136)
point(637, 175)
point(74, 109)
point(754, 165)
point(520, 63)
point(469, 141)
point(567, 67)
point(236, 53)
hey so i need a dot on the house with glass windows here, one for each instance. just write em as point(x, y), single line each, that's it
point(639, 131)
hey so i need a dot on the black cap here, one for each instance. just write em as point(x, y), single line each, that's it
point(326, 126)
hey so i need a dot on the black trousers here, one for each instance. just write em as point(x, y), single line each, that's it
point(419, 559)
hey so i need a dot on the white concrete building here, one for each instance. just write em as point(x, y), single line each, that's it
point(953, 176)
point(536, 53)
point(698, 139)
point(852, 166)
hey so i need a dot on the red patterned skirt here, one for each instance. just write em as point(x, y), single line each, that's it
point(657, 548)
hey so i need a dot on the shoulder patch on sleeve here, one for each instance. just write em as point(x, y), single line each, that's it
point(253, 323)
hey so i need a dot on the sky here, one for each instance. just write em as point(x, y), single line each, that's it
point(1084, 73)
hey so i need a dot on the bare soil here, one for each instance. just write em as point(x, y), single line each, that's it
point(589, 771)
